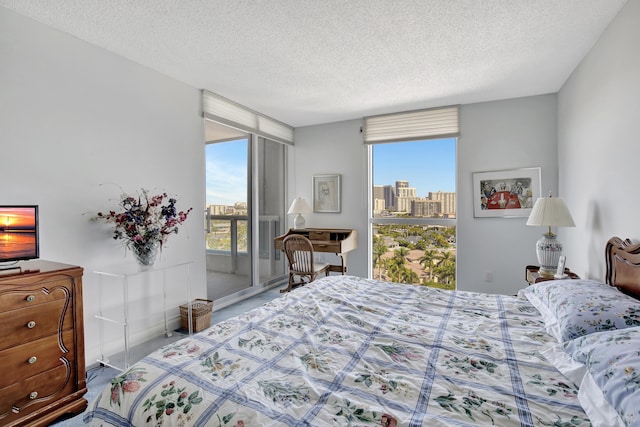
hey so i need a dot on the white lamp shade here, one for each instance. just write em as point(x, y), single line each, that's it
point(299, 206)
point(551, 212)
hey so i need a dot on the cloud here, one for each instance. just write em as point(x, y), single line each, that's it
point(226, 183)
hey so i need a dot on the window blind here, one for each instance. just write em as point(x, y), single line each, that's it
point(412, 125)
point(220, 109)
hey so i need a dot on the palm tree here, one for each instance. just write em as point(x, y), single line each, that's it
point(393, 269)
point(410, 276)
point(378, 250)
point(427, 261)
point(395, 265)
point(448, 272)
point(401, 272)
point(446, 267)
point(445, 257)
point(401, 253)
point(383, 270)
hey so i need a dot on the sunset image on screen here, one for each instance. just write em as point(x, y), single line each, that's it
point(18, 233)
point(17, 219)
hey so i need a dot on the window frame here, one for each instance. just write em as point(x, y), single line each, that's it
point(371, 220)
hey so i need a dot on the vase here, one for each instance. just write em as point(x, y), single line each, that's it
point(145, 253)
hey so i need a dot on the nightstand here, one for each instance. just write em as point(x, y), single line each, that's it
point(532, 276)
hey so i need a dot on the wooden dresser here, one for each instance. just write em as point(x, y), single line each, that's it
point(41, 343)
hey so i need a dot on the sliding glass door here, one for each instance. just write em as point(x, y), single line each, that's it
point(271, 208)
point(245, 211)
point(227, 216)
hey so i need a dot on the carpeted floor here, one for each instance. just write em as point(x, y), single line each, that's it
point(98, 377)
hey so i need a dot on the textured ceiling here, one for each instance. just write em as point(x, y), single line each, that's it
point(316, 61)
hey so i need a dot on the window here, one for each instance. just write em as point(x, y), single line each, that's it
point(227, 224)
point(413, 198)
point(227, 202)
point(414, 212)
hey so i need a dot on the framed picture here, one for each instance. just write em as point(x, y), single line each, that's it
point(326, 193)
point(508, 193)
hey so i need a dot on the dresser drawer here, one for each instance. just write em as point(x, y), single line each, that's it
point(34, 391)
point(24, 297)
point(29, 324)
point(319, 235)
point(30, 359)
point(333, 247)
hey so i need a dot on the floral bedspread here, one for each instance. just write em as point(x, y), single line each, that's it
point(350, 351)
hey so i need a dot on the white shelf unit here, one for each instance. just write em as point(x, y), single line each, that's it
point(120, 314)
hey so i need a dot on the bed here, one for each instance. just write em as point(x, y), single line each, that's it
point(345, 350)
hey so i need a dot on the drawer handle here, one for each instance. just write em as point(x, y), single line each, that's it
point(31, 324)
point(31, 298)
point(33, 395)
point(33, 360)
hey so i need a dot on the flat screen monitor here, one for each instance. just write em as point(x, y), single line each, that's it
point(18, 233)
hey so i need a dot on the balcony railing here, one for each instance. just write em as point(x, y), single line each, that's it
point(228, 235)
point(222, 233)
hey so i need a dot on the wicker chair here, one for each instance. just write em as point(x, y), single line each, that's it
point(299, 252)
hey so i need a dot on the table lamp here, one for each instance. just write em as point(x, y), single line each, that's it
point(299, 207)
point(549, 212)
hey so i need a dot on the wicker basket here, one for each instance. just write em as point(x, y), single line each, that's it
point(200, 314)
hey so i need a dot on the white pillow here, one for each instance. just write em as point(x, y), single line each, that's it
point(574, 308)
point(610, 390)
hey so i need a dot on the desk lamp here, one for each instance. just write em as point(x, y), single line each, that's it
point(549, 212)
point(299, 207)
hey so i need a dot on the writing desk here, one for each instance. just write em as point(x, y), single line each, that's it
point(339, 241)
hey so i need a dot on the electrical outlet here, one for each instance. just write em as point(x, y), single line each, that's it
point(488, 276)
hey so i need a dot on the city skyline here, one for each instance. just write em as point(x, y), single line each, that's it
point(429, 166)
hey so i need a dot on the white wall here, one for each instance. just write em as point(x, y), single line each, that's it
point(599, 144)
point(498, 135)
point(78, 122)
point(334, 148)
point(510, 134)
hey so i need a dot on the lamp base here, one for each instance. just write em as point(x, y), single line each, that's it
point(299, 221)
point(548, 250)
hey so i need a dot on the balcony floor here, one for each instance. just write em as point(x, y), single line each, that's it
point(220, 285)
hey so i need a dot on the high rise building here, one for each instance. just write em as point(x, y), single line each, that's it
point(378, 204)
point(404, 196)
point(389, 197)
point(402, 184)
point(447, 200)
point(425, 207)
point(378, 192)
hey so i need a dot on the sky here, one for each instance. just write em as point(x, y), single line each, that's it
point(427, 165)
point(17, 217)
point(226, 172)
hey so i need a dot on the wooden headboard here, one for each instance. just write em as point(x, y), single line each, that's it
point(623, 265)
